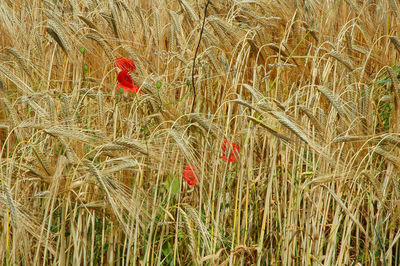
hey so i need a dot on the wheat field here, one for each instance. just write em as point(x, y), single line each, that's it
point(308, 90)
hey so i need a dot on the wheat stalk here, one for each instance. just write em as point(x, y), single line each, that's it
point(122, 198)
point(51, 109)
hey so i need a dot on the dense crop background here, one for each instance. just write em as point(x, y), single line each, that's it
point(308, 89)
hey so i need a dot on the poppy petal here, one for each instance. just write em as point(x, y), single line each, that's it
point(189, 175)
point(124, 78)
point(134, 88)
point(126, 88)
point(231, 150)
point(125, 64)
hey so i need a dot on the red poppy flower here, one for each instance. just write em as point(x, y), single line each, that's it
point(190, 175)
point(125, 81)
point(125, 64)
point(231, 150)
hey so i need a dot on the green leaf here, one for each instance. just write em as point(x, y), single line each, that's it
point(83, 50)
point(158, 84)
point(85, 67)
point(175, 186)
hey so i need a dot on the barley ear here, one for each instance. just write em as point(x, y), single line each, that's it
point(329, 95)
point(395, 42)
point(345, 60)
point(102, 44)
point(19, 59)
point(58, 35)
point(11, 205)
